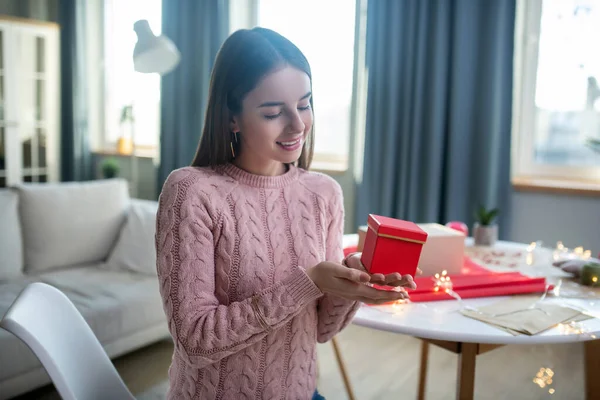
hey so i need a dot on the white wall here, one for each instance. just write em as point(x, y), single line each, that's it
point(574, 220)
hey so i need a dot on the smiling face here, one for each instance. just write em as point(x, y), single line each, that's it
point(275, 120)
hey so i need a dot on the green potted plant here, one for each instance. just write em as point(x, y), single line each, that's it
point(110, 168)
point(485, 230)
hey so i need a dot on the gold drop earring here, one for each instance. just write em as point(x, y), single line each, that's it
point(234, 138)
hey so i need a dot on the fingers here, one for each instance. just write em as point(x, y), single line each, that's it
point(394, 279)
point(390, 278)
point(419, 271)
point(367, 300)
point(380, 295)
point(354, 262)
point(406, 281)
point(354, 275)
point(378, 279)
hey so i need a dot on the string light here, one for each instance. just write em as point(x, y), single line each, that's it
point(442, 282)
point(561, 252)
point(574, 328)
point(397, 305)
point(530, 249)
point(544, 378)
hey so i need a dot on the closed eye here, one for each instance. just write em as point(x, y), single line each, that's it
point(273, 116)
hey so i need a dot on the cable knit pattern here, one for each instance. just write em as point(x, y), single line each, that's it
point(232, 248)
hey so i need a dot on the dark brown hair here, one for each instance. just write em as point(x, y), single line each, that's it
point(243, 60)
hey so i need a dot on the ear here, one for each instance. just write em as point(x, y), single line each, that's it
point(234, 125)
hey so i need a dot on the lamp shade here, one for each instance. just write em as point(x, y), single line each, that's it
point(153, 54)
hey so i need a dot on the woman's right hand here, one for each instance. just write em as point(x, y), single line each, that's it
point(349, 283)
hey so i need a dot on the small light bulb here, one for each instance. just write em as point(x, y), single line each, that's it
point(595, 279)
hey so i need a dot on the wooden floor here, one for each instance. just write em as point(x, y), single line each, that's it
point(385, 366)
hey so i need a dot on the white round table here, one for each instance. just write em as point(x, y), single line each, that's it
point(440, 323)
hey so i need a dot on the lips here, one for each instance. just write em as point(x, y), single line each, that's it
point(291, 145)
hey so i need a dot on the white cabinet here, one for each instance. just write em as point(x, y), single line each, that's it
point(29, 101)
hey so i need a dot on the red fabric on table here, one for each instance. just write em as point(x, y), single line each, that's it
point(479, 281)
point(506, 290)
point(470, 267)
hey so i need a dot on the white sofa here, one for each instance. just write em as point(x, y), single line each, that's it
point(94, 243)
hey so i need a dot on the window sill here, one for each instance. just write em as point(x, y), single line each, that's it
point(557, 186)
point(138, 153)
point(329, 168)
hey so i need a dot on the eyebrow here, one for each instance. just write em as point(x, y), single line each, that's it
point(281, 103)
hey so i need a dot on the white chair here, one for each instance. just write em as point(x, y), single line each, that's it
point(48, 322)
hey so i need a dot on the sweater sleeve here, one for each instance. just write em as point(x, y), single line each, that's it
point(334, 313)
point(205, 331)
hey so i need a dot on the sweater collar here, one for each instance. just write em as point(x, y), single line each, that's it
point(261, 181)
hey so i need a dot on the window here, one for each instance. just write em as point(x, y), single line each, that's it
point(125, 87)
point(324, 32)
point(556, 108)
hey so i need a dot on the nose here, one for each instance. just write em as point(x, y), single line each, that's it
point(296, 124)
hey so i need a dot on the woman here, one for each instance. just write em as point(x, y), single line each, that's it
point(249, 243)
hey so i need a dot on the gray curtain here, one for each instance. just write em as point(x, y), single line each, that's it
point(76, 156)
point(438, 110)
point(198, 28)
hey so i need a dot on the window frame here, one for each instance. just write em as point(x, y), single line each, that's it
point(107, 143)
point(525, 63)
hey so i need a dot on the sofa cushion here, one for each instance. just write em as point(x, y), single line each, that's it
point(135, 249)
point(11, 245)
point(114, 304)
point(66, 224)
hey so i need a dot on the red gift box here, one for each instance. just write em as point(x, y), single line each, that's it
point(392, 245)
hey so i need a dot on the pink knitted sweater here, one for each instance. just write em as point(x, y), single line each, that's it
point(232, 248)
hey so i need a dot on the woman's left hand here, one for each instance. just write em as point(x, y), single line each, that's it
point(395, 279)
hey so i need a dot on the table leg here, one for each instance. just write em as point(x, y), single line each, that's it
point(465, 383)
point(423, 369)
point(342, 365)
point(592, 368)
